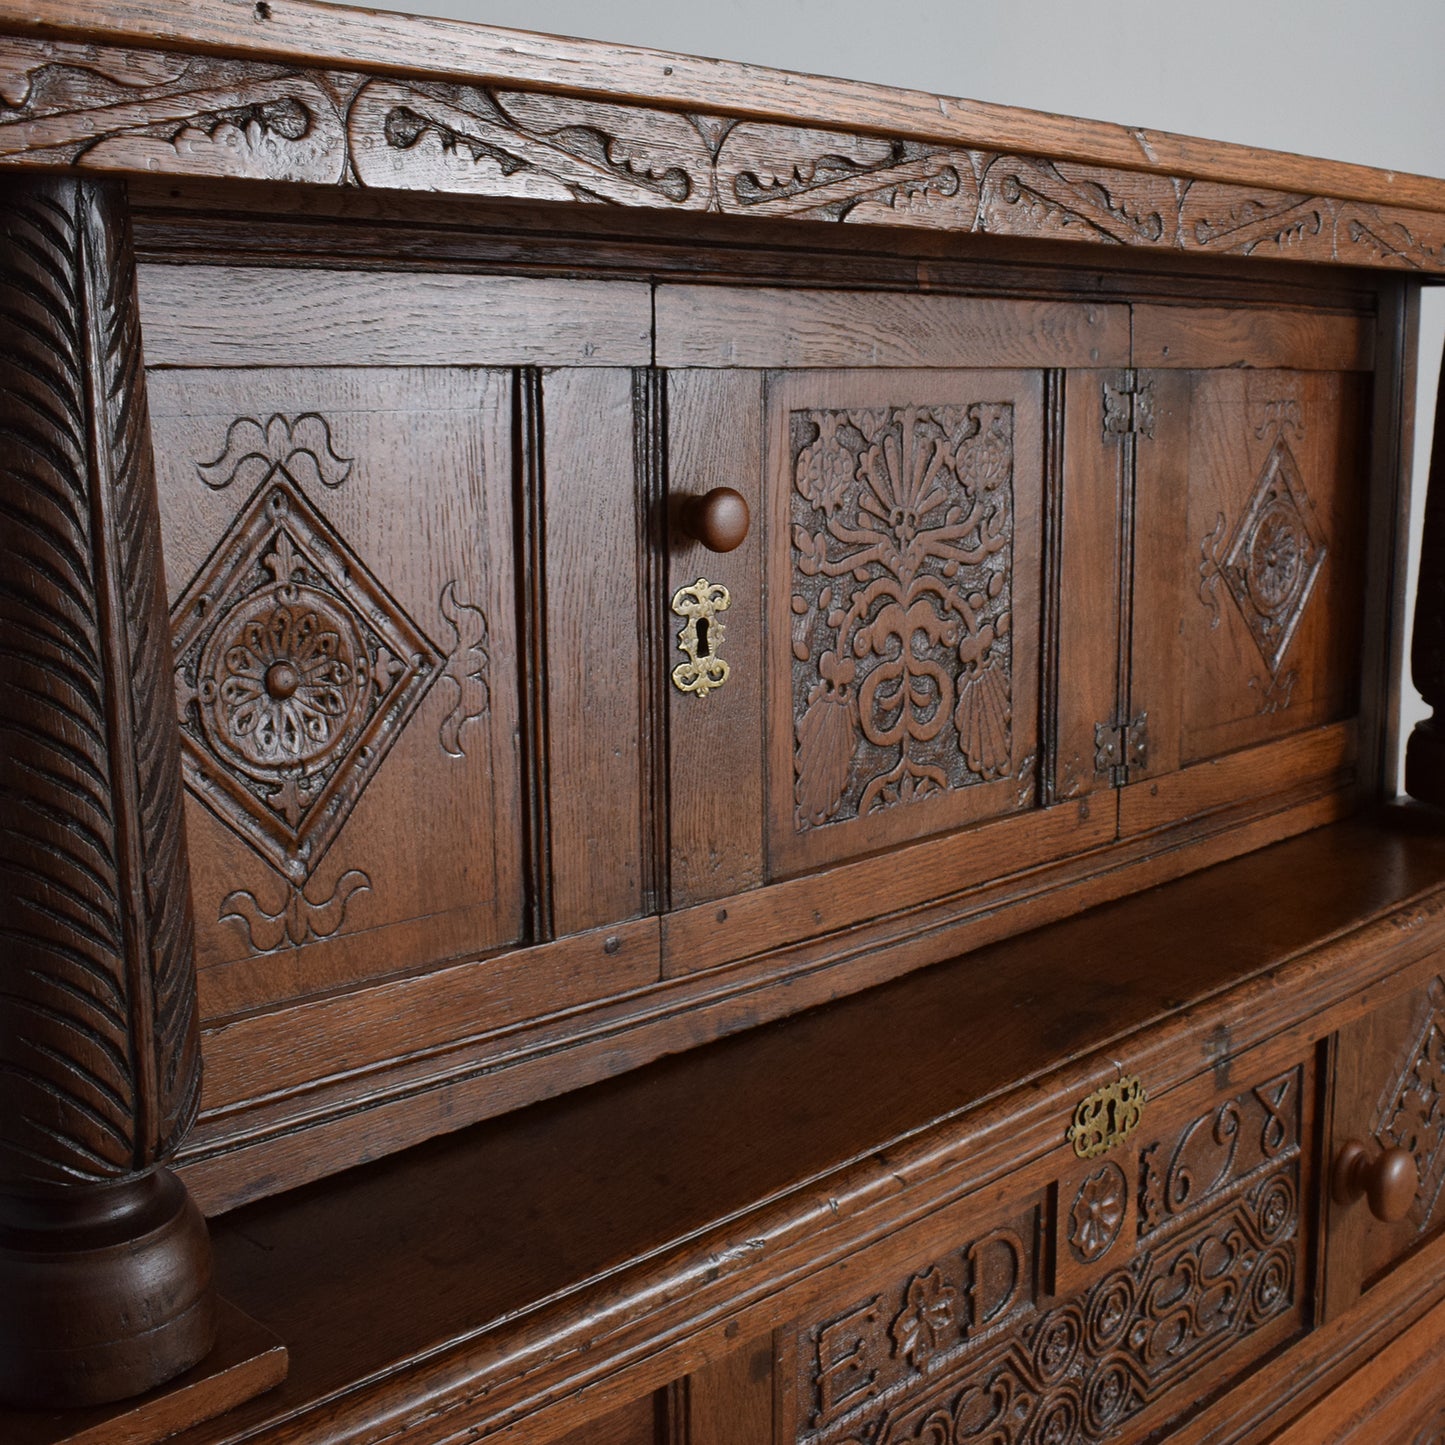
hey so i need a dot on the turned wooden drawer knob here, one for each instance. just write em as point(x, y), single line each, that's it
point(1389, 1181)
point(718, 519)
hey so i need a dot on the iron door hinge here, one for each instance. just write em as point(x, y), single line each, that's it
point(1128, 406)
point(1121, 748)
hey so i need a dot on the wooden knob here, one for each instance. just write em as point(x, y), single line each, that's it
point(1389, 1181)
point(718, 519)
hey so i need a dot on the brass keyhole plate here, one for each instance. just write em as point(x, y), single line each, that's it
point(701, 637)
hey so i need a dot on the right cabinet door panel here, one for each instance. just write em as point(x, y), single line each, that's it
point(1389, 1091)
point(1249, 595)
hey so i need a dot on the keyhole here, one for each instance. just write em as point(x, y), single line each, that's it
point(702, 648)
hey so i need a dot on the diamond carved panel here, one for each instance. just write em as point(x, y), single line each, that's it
point(1274, 557)
point(296, 670)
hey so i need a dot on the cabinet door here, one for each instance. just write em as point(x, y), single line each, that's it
point(338, 548)
point(357, 511)
point(1389, 1091)
point(1251, 506)
point(900, 674)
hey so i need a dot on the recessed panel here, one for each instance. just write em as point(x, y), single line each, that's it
point(338, 548)
point(904, 563)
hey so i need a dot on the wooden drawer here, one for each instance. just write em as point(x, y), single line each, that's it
point(1119, 1294)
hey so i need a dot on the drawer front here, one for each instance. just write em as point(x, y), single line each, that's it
point(1113, 1299)
point(1389, 1092)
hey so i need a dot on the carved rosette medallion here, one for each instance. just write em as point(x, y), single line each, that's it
point(1271, 562)
point(902, 653)
point(1098, 1213)
point(295, 672)
point(1412, 1113)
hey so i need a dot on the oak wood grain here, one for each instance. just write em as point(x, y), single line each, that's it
point(1296, 972)
point(709, 326)
point(1199, 337)
point(207, 316)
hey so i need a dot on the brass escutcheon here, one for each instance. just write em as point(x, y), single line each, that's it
point(1107, 1117)
point(701, 636)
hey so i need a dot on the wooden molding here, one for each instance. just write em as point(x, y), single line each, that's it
point(137, 109)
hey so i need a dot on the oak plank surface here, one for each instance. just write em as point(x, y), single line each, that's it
point(709, 326)
point(207, 315)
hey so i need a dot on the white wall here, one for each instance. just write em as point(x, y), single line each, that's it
point(1339, 78)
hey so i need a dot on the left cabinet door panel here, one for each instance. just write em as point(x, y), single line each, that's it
point(338, 553)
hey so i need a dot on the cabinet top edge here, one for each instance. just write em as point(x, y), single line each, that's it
point(913, 158)
point(316, 32)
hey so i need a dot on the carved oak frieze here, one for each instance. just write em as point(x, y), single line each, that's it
point(970, 1347)
point(112, 109)
point(902, 652)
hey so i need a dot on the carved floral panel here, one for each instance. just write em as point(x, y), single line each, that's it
point(902, 644)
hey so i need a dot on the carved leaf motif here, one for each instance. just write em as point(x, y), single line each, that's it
point(83, 1021)
point(465, 669)
point(1039, 197)
point(784, 170)
point(928, 1320)
point(902, 653)
point(192, 116)
point(825, 741)
point(298, 919)
point(984, 715)
point(252, 448)
point(1222, 218)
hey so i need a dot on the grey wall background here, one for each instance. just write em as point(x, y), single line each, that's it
point(1356, 80)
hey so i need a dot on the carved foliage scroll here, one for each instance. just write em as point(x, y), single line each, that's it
point(902, 555)
point(968, 1348)
point(161, 112)
point(99, 1061)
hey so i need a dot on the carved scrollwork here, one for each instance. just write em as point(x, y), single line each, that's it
point(1075, 1372)
point(252, 448)
point(902, 550)
point(110, 108)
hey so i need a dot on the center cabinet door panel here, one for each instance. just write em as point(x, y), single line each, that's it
point(1250, 593)
point(904, 518)
point(900, 675)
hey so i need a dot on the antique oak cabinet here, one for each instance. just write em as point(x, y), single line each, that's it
point(698, 757)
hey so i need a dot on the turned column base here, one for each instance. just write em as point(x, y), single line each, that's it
point(105, 1291)
point(1425, 762)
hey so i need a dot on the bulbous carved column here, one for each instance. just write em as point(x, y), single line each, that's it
point(105, 1266)
point(1425, 752)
